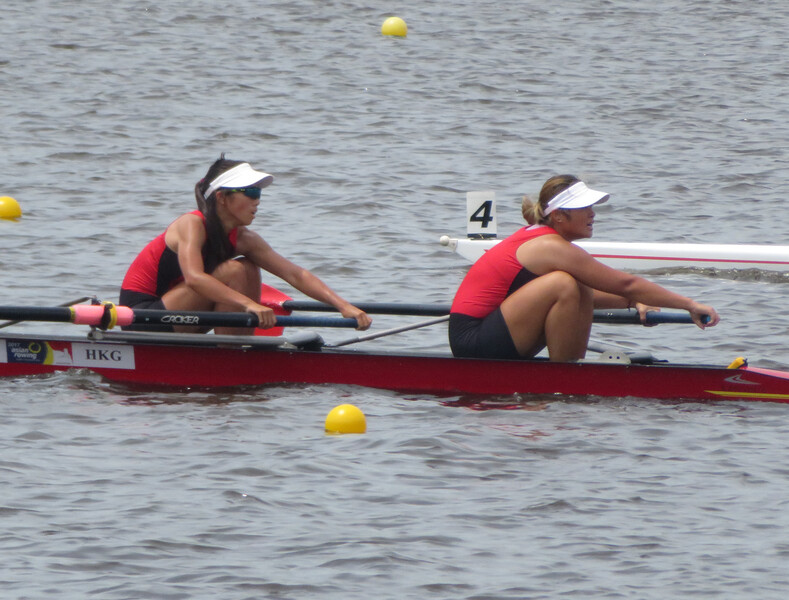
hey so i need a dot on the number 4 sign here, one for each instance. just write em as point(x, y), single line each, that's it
point(481, 214)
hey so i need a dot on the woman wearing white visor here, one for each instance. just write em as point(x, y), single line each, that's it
point(535, 289)
point(208, 259)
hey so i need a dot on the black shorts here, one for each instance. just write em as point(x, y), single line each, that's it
point(140, 300)
point(470, 337)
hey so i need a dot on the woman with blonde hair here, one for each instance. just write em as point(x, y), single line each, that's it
point(535, 289)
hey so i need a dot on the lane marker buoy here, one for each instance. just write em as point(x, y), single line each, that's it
point(394, 26)
point(345, 418)
point(9, 208)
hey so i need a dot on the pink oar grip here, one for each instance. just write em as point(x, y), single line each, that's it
point(87, 314)
point(125, 315)
point(92, 314)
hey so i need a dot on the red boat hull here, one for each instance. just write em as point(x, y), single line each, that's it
point(206, 367)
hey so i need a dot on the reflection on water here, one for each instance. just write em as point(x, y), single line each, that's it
point(752, 275)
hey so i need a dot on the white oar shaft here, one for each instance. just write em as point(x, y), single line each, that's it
point(645, 256)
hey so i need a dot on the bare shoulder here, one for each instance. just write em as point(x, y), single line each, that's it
point(548, 253)
point(550, 240)
point(248, 241)
point(187, 227)
point(185, 222)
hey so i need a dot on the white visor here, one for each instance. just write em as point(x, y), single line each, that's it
point(575, 196)
point(240, 176)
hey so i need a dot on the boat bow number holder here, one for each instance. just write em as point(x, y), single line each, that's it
point(481, 215)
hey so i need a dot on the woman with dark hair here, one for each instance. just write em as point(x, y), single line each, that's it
point(208, 259)
point(535, 289)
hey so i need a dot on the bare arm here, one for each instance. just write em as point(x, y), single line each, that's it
point(553, 253)
point(186, 237)
point(606, 300)
point(251, 245)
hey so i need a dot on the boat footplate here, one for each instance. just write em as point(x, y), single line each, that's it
point(619, 356)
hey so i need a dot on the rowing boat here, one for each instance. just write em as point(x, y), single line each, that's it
point(188, 360)
point(481, 230)
point(211, 361)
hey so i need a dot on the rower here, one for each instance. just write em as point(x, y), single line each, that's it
point(209, 259)
point(535, 289)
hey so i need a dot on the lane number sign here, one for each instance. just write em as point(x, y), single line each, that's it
point(481, 214)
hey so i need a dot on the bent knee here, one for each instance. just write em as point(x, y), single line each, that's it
point(246, 266)
point(565, 285)
point(236, 270)
point(562, 280)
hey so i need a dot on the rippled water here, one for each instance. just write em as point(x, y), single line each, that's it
point(110, 112)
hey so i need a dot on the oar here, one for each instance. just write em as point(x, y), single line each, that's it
point(107, 316)
point(381, 308)
point(277, 300)
point(615, 316)
point(69, 303)
point(625, 316)
point(281, 302)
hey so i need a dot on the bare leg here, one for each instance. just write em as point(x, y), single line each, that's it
point(553, 310)
point(241, 275)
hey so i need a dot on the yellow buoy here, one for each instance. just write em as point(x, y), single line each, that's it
point(9, 208)
point(346, 418)
point(394, 26)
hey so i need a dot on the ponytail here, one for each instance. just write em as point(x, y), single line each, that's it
point(531, 210)
point(217, 248)
point(200, 188)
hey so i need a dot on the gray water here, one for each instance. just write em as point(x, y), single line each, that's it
point(109, 113)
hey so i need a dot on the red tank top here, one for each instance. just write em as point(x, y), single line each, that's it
point(496, 275)
point(156, 268)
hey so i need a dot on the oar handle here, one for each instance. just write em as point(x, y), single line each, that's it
point(291, 321)
point(630, 317)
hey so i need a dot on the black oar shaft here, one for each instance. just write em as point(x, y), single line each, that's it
point(614, 316)
point(381, 308)
point(55, 314)
point(144, 316)
point(626, 316)
point(220, 319)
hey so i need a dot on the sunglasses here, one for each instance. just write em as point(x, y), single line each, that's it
point(250, 192)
